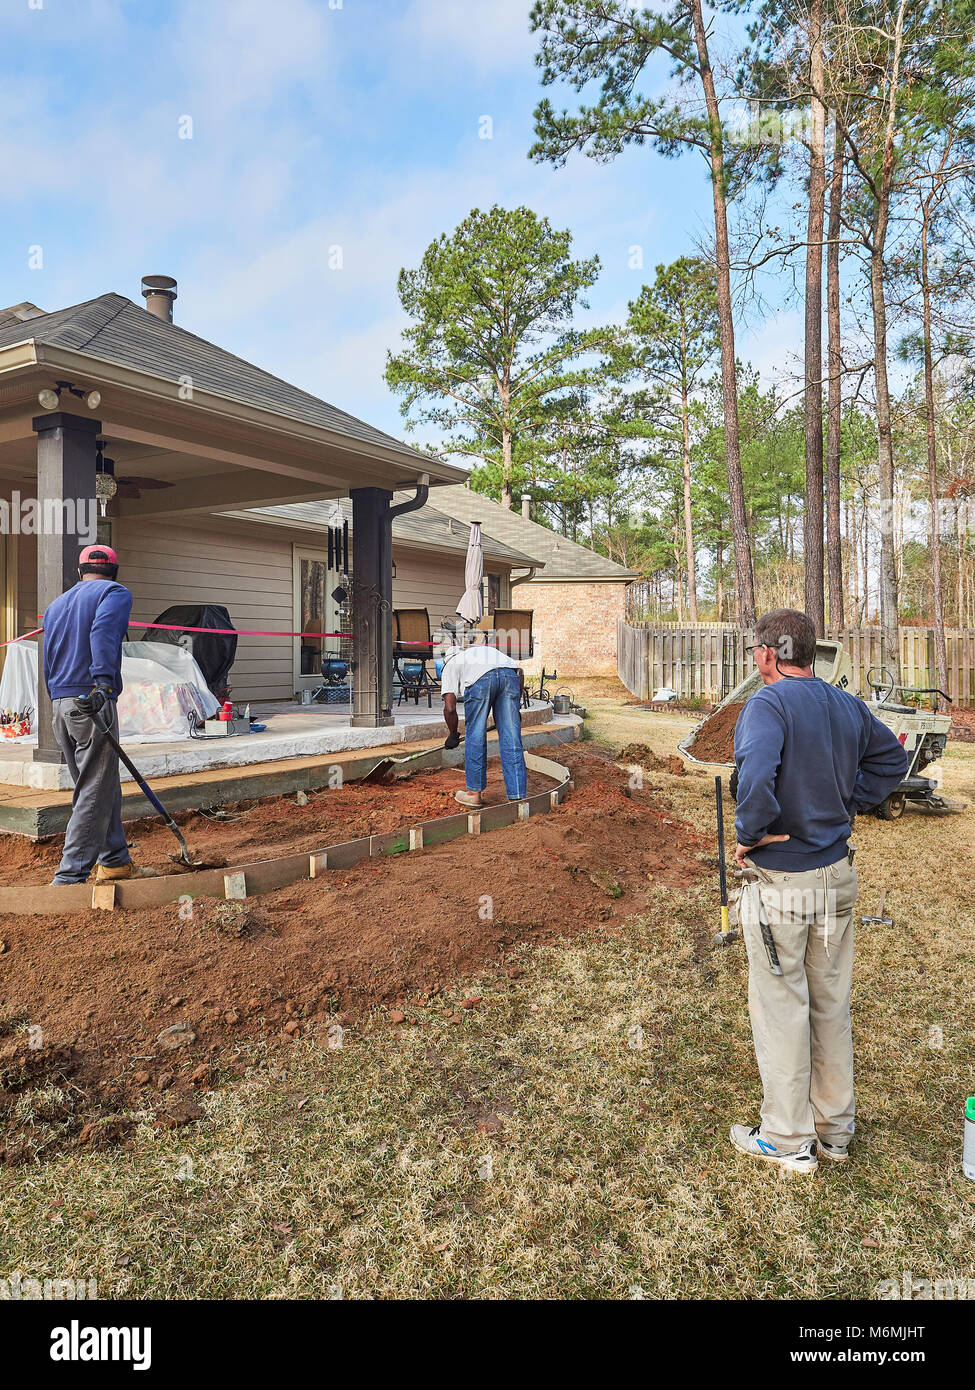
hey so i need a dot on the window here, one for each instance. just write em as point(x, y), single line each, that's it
point(315, 614)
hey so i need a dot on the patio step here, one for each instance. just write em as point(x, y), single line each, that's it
point(39, 814)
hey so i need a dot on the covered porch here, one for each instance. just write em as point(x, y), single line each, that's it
point(189, 431)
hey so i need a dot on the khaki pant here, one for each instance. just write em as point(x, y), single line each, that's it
point(801, 1018)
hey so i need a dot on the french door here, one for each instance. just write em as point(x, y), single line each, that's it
point(315, 613)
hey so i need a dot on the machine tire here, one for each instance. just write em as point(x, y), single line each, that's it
point(893, 807)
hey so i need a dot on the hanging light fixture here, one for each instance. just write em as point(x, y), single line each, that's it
point(105, 485)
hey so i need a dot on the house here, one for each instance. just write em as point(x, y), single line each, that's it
point(189, 444)
point(429, 552)
point(576, 594)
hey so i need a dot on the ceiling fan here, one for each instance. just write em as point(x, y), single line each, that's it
point(131, 486)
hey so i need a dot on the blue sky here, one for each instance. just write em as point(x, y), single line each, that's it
point(312, 127)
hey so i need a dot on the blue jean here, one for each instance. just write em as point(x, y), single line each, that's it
point(497, 692)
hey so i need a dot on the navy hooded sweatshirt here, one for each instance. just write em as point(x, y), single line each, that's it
point(810, 757)
point(83, 634)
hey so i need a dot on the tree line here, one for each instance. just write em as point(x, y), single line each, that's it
point(839, 143)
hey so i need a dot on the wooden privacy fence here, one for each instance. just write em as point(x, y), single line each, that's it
point(707, 662)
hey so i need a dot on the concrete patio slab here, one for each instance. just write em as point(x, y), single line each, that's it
point(294, 731)
point(37, 812)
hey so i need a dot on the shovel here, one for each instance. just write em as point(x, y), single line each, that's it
point(184, 855)
point(725, 936)
point(387, 765)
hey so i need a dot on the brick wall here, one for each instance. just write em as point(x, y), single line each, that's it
point(574, 625)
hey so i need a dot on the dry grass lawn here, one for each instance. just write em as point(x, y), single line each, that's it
point(567, 1139)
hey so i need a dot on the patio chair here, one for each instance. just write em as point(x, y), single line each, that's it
point(412, 649)
point(514, 626)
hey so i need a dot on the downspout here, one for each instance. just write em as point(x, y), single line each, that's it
point(416, 502)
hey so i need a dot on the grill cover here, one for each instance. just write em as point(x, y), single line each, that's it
point(213, 652)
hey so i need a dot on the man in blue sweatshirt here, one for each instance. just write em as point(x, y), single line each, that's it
point(83, 634)
point(809, 758)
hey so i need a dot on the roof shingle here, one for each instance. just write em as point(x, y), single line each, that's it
point(562, 558)
point(427, 526)
point(113, 329)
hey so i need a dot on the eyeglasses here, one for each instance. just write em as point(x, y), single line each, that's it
point(764, 645)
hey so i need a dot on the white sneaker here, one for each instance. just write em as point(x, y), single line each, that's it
point(839, 1153)
point(750, 1141)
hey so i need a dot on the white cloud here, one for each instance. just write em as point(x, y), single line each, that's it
point(482, 35)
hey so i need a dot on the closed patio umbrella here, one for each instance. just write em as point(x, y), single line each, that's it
point(471, 606)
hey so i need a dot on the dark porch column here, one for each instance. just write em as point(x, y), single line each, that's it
point(65, 473)
point(372, 607)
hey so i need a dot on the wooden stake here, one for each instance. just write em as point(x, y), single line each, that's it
point(235, 886)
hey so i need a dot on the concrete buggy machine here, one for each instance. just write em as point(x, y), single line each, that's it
point(923, 732)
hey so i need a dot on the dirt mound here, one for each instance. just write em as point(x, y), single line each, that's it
point(643, 756)
point(715, 739)
point(962, 725)
point(241, 832)
point(102, 1013)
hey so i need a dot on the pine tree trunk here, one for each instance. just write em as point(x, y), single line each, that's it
point(812, 524)
point(834, 407)
point(507, 465)
point(744, 577)
point(940, 646)
point(688, 511)
point(890, 639)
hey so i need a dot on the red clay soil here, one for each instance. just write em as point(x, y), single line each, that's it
point(962, 725)
point(95, 993)
point(715, 740)
point(643, 756)
point(270, 828)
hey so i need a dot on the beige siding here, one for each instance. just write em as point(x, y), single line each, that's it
point(250, 571)
point(27, 583)
point(251, 575)
point(426, 581)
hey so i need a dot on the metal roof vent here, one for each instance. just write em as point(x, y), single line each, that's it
point(159, 291)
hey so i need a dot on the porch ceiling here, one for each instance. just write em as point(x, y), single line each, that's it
point(216, 453)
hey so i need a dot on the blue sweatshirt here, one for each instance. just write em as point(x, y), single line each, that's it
point(83, 634)
point(810, 757)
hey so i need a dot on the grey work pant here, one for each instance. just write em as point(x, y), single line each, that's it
point(801, 1018)
point(95, 828)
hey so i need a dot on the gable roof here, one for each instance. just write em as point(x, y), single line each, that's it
point(427, 527)
point(113, 329)
point(562, 558)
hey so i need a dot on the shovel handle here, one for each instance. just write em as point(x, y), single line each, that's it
point(143, 785)
point(722, 868)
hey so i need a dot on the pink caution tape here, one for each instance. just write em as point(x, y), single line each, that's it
point(222, 631)
point(22, 638)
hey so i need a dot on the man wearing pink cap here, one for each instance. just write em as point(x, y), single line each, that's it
point(83, 634)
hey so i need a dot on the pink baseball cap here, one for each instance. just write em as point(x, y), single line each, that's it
point(98, 555)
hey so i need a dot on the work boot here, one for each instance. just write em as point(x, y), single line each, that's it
point(749, 1141)
point(469, 799)
point(106, 874)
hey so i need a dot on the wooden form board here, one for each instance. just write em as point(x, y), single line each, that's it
point(265, 875)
